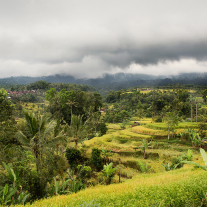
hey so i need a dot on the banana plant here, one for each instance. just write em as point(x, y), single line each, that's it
point(13, 194)
point(76, 186)
point(143, 167)
point(60, 189)
point(106, 153)
point(22, 198)
point(189, 155)
point(14, 176)
point(145, 146)
point(204, 155)
point(6, 195)
point(167, 166)
point(108, 172)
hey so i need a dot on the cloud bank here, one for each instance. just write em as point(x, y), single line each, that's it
point(89, 38)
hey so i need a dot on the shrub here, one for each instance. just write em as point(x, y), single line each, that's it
point(96, 158)
point(36, 186)
point(157, 119)
point(73, 156)
point(188, 156)
point(85, 171)
point(102, 128)
point(176, 163)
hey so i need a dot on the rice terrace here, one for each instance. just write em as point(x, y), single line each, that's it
point(69, 147)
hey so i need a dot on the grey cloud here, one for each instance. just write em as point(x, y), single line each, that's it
point(92, 37)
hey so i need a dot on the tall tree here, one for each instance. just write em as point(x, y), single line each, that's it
point(71, 103)
point(39, 136)
point(78, 130)
point(171, 120)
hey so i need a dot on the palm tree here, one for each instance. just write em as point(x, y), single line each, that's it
point(78, 129)
point(59, 135)
point(95, 120)
point(171, 121)
point(71, 103)
point(39, 136)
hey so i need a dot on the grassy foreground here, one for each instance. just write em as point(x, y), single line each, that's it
point(184, 187)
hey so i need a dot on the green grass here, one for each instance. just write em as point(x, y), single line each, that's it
point(184, 187)
point(163, 126)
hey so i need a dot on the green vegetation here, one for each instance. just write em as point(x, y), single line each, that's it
point(61, 150)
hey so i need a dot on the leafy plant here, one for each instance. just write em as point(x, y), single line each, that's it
point(73, 156)
point(84, 172)
point(167, 166)
point(15, 194)
point(102, 129)
point(22, 198)
point(177, 163)
point(14, 177)
point(59, 189)
point(6, 195)
point(204, 155)
point(96, 158)
point(76, 186)
point(189, 155)
point(106, 153)
point(143, 167)
point(145, 146)
point(108, 172)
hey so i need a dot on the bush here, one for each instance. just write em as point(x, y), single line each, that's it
point(96, 158)
point(102, 128)
point(73, 156)
point(85, 172)
point(176, 163)
point(157, 119)
point(36, 186)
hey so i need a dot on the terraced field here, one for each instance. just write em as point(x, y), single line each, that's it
point(152, 187)
point(126, 143)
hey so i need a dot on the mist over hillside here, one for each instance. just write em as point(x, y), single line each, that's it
point(115, 81)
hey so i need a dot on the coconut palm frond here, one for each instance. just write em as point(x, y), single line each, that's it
point(31, 123)
point(50, 127)
point(22, 138)
point(57, 140)
point(42, 122)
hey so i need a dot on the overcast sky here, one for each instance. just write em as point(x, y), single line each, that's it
point(87, 38)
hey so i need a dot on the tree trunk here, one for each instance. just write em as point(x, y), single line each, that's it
point(119, 171)
point(95, 128)
point(76, 143)
point(182, 140)
point(71, 114)
point(144, 154)
point(168, 132)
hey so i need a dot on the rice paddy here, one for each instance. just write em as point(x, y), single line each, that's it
point(155, 186)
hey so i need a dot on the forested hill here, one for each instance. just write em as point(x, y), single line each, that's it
point(116, 82)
